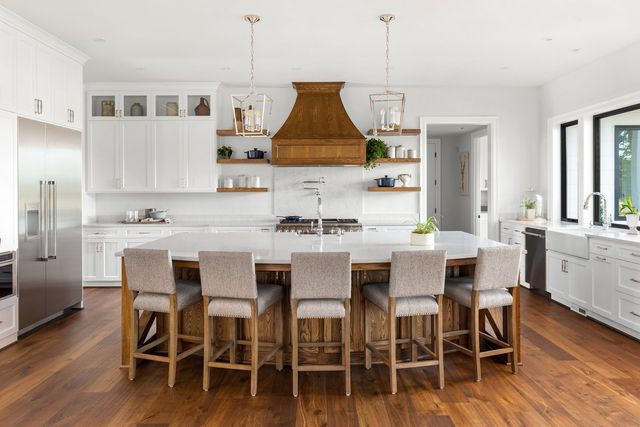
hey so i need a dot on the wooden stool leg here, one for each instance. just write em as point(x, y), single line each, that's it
point(346, 339)
point(475, 334)
point(234, 338)
point(173, 338)
point(391, 319)
point(513, 339)
point(414, 347)
point(254, 347)
point(207, 344)
point(439, 344)
point(135, 316)
point(367, 336)
point(279, 335)
point(294, 345)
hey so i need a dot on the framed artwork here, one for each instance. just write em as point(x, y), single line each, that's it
point(463, 172)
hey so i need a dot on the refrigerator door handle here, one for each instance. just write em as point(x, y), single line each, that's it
point(44, 217)
point(53, 219)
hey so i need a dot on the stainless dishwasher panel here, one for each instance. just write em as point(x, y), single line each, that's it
point(536, 260)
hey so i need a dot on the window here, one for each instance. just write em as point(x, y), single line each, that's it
point(616, 136)
point(569, 171)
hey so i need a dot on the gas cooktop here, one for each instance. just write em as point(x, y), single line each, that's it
point(324, 221)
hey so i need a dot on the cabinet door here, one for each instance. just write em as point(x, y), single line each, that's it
point(102, 154)
point(136, 164)
point(112, 264)
point(199, 146)
point(603, 281)
point(44, 58)
point(168, 154)
point(59, 109)
point(7, 69)
point(579, 281)
point(557, 277)
point(8, 180)
point(25, 77)
point(74, 94)
point(91, 265)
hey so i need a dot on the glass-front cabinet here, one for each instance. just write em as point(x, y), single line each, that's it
point(118, 105)
point(134, 105)
point(183, 104)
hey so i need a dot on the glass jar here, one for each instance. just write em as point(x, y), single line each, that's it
point(533, 200)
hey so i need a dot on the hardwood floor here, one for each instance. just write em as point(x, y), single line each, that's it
point(576, 372)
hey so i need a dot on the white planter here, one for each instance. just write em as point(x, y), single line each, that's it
point(531, 214)
point(632, 223)
point(423, 239)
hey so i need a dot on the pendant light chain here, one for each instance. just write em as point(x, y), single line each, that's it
point(252, 44)
point(386, 86)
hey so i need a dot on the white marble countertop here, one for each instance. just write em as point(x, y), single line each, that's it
point(276, 248)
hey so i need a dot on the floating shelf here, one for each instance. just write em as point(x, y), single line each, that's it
point(394, 188)
point(243, 190)
point(390, 160)
point(243, 161)
point(405, 132)
point(232, 132)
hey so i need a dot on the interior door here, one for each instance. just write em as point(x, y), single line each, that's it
point(64, 169)
point(31, 236)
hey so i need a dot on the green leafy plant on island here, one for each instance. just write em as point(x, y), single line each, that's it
point(627, 208)
point(225, 152)
point(376, 149)
point(427, 227)
point(528, 203)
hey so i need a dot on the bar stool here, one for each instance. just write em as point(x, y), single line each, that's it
point(321, 289)
point(415, 288)
point(153, 287)
point(495, 284)
point(229, 289)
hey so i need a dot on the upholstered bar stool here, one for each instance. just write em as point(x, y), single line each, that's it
point(495, 284)
point(153, 287)
point(229, 289)
point(321, 289)
point(415, 288)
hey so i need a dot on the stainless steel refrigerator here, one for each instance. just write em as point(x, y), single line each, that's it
point(50, 222)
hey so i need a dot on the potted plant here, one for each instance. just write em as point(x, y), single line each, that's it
point(529, 208)
point(225, 152)
point(424, 234)
point(376, 149)
point(631, 212)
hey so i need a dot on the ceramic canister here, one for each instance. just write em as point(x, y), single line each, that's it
point(412, 154)
point(400, 152)
point(243, 181)
point(391, 152)
point(254, 181)
point(227, 183)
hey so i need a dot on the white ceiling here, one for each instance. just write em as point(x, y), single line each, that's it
point(444, 130)
point(434, 42)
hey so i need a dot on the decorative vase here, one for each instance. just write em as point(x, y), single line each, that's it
point(423, 239)
point(136, 110)
point(172, 109)
point(632, 223)
point(405, 179)
point(531, 213)
point(108, 109)
point(202, 109)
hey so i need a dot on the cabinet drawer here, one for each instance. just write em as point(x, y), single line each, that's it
point(145, 233)
point(8, 319)
point(598, 247)
point(101, 233)
point(629, 254)
point(629, 312)
point(628, 278)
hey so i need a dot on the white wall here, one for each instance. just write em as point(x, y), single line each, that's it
point(516, 109)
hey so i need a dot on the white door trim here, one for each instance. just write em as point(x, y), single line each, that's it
point(494, 185)
point(438, 175)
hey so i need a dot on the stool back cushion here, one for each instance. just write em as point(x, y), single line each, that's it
point(228, 275)
point(324, 275)
point(149, 270)
point(417, 273)
point(497, 268)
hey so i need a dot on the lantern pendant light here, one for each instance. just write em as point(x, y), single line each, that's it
point(387, 109)
point(251, 112)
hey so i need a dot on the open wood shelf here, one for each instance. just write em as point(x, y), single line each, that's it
point(405, 132)
point(243, 161)
point(394, 188)
point(243, 190)
point(232, 132)
point(390, 160)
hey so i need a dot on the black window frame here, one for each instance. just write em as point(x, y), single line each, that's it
point(596, 161)
point(563, 171)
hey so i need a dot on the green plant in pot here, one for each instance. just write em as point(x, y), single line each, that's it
point(225, 152)
point(529, 208)
point(631, 213)
point(424, 233)
point(376, 149)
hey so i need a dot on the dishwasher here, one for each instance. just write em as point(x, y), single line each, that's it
point(536, 260)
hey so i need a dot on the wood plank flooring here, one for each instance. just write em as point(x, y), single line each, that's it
point(576, 372)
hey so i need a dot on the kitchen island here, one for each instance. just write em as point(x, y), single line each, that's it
point(370, 257)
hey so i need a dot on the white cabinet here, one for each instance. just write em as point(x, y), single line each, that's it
point(168, 142)
point(8, 321)
point(568, 279)
point(602, 285)
point(200, 155)
point(103, 154)
point(511, 234)
point(579, 281)
point(99, 261)
point(135, 146)
point(8, 182)
point(7, 69)
point(66, 94)
point(25, 77)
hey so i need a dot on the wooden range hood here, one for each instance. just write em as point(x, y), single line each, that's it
point(318, 130)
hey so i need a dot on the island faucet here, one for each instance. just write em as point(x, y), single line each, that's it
point(605, 217)
point(319, 229)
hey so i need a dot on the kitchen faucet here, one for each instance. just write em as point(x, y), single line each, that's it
point(319, 229)
point(604, 218)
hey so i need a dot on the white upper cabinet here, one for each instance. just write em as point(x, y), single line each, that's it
point(8, 180)
point(7, 69)
point(136, 155)
point(169, 156)
point(200, 155)
point(103, 153)
point(25, 78)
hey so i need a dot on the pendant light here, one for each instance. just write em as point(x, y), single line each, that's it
point(251, 112)
point(387, 109)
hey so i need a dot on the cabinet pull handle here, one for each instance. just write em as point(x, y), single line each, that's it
point(634, 280)
point(604, 248)
point(634, 313)
point(634, 254)
point(73, 116)
point(599, 258)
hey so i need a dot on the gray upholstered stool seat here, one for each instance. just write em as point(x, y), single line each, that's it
point(241, 308)
point(378, 293)
point(188, 293)
point(321, 309)
point(460, 289)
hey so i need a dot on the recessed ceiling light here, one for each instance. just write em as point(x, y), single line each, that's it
point(140, 68)
point(225, 68)
point(296, 68)
point(504, 67)
point(99, 40)
point(576, 49)
point(548, 39)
